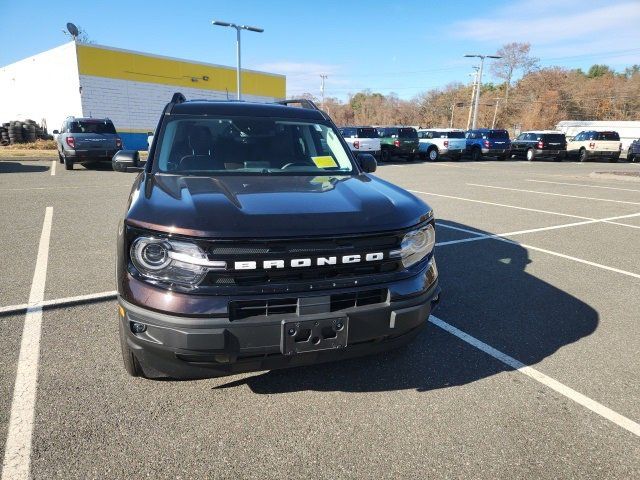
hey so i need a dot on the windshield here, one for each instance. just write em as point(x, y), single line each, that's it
point(91, 126)
point(367, 133)
point(247, 145)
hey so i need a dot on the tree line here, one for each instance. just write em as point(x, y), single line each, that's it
point(539, 99)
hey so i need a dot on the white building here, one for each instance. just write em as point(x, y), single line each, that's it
point(628, 130)
point(130, 88)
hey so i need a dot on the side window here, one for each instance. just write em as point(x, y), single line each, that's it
point(521, 136)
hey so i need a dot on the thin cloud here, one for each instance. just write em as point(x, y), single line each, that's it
point(545, 23)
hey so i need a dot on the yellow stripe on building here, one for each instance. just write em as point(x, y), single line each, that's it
point(104, 62)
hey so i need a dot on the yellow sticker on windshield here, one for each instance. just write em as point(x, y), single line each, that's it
point(325, 161)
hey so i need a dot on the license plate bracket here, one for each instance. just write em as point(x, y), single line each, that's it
point(312, 335)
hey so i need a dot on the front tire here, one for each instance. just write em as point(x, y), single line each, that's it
point(433, 154)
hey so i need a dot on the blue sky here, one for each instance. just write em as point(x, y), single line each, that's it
point(395, 46)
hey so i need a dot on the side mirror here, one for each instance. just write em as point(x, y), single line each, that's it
point(56, 132)
point(127, 161)
point(367, 162)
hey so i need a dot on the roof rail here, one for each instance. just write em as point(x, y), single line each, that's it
point(303, 102)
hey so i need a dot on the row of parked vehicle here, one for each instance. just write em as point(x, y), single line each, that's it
point(410, 143)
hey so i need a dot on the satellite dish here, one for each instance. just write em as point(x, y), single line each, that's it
point(72, 29)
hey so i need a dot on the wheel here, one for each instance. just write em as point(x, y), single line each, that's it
point(60, 159)
point(531, 155)
point(68, 164)
point(582, 155)
point(476, 154)
point(433, 154)
point(630, 156)
point(131, 364)
point(613, 159)
point(384, 156)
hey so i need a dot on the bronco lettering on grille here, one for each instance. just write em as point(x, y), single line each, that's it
point(308, 262)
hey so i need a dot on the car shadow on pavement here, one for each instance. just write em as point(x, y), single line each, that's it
point(18, 167)
point(488, 294)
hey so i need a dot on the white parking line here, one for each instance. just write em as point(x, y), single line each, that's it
point(584, 185)
point(501, 205)
point(540, 377)
point(550, 252)
point(17, 453)
point(63, 188)
point(58, 301)
point(533, 230)
point(53, 167)
point(554, 194)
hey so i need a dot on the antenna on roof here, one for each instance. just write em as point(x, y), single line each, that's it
point(73, 30)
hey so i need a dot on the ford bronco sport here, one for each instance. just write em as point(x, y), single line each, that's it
point(254, 239)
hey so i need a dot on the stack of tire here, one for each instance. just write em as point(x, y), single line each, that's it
point(4, 134)
point(21, 132)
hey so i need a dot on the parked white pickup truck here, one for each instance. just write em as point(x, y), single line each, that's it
point(435, 143)
point(362, 140)
point(591, 144)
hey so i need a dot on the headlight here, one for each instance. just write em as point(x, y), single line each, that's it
point(172, 261)
point(416, 245)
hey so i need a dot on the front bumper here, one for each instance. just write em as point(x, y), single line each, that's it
point(205, 346)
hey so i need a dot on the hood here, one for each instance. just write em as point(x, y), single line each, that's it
point(270, 206)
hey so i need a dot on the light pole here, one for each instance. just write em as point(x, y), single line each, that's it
point(473, 94)
point(477, 102)
point(453, 109)
point(238, 28)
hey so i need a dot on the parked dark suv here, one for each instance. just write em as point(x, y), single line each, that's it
point(538, 145)
point(633, 154)
point(254, 239)
point(86, 140)
point(488, 142)
point(398, 142)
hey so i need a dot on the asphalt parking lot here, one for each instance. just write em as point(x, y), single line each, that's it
point(529, 369)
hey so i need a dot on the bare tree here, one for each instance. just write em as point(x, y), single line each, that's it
point(515, 57)
point(83, 36)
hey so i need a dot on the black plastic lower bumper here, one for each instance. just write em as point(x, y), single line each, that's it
point(180, 347)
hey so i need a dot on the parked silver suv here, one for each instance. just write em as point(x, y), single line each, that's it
point(86, 140)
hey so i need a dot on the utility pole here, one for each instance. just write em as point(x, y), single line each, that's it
point(473, 94)
point(323, 77)
point(453, 109)
point(495, 112)
point(239, 67)
point(478, 88)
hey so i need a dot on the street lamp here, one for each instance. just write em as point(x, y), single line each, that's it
point(238, 28)
point(479, 84)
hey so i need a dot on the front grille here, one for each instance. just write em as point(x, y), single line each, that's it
point(240, 309)
point(261, 250)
